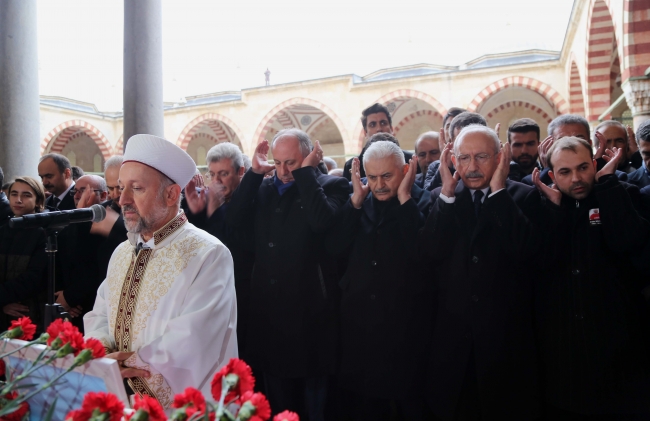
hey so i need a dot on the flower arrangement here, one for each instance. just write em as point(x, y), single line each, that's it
point(232, 387)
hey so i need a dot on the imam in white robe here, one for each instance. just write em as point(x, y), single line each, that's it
point(173, 304)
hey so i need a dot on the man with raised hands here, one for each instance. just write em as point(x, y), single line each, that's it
point(591, 316)
point(478, 237)
point(293, 302)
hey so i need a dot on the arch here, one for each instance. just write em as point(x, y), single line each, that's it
point(510, 104)
point(59, 136)
point(267, 121)
point(576, 97)
point(636, 38)
point(212, 121)
point(411, 116)
point(119, 146)
point(601, 51)
point(551, 95)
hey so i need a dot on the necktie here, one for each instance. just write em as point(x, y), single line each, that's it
point(56, 202)
point(478, 195)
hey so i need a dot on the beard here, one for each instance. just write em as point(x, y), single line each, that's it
point(144, 224)
point(530, 161)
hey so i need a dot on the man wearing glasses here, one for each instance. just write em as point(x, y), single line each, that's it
point(479, 238)
point(92, 188)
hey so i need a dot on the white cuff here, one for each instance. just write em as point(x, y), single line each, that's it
point(492, 194)
point(447, 199)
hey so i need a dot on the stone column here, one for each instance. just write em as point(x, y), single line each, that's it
point(637, 94)
point(19, 102)
point(143, 85)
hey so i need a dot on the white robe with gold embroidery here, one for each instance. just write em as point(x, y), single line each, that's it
point(174, 305)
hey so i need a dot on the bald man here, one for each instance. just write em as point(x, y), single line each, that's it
point(92, 189)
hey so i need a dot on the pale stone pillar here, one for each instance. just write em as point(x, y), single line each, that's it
point(19, 101)
point(637, 94)
point(143, 83)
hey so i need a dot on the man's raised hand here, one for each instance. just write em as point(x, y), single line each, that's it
point(449, 182)
point(632, 147)
point(551, 193)
point(404, 189)
point(613, 157)
point(602, 144)
point(195, 200)
point(314, 157)
point(543, 150)
point(260, 160)
point(359, 190)
point(215, 197)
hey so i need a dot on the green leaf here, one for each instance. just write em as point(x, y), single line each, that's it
point(50, 412)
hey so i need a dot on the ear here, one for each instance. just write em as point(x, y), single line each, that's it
point(172, 194)
point(595, 165)
point(103, 195)
point(453, 158)
point(242, 170)
point(67, 173)
point(552, 175)
point(405, 168)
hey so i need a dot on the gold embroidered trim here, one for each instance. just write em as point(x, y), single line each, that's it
point(140, 386)
point(169, 228)
point(129, 298)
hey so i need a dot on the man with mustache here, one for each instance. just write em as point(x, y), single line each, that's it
point(523, 136)
point(169, 284)
point(591, 316)
point(293, 301)
point(478, 238)
point(384, 307)
point(56, 174)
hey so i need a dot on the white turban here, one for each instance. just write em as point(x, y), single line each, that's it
point(161, 155)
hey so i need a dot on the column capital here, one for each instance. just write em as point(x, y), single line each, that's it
point(637, 94)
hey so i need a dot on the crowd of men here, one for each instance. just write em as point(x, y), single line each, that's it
point(473, 279)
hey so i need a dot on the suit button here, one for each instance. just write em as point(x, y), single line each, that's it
point(475, 298)
point(475, 259)
point(374, 263)
point(272, 281)
point(575, 272)
point(372, 297)
point(270, 244)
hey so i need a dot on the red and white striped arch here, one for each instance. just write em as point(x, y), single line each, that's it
point(601, 49)
point(402, 93)
point(515, 104)
point(267, 122)
point(223, 127)
point(119, 146)
point(636, 38)
point(551, 95)
point(576, 96)
point(59, 136)
point(429, 113)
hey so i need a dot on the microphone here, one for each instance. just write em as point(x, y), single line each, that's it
point(95, 213)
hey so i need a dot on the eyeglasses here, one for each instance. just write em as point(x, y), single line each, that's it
point(464, 160)
point(75, 191)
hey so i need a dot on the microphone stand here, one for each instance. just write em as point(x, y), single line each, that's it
point(53, 310)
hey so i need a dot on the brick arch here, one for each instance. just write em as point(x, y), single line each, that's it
point(402, 93)
point(576, 96)
point(411, 116)
point(524, 104)
point(119, 146)
point(59, 136)
point(635, 51)
point(550, 94)
point(267, 121)
point(601, 45)
point(190, 129)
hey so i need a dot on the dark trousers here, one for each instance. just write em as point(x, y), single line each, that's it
point(305, 396)
point(552, 413)
point(469, 405)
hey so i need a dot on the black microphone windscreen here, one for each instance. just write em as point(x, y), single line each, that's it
point(99, 213)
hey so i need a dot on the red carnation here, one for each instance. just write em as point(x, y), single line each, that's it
point(193, 402)
point(150, 406)
point(96, 347)
point(2, 367)
point(19, 413)
point(95, 404)
point(286, 416)
point(240, 377)
point(62, 333)
point(22, 328)
point(254, 407)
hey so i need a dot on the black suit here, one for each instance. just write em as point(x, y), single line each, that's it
point(385, 306)
point(292, 320)
point(639, 178)
point(483, 324)
point(67, 202)
point(5, 209)
point(593, 324)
